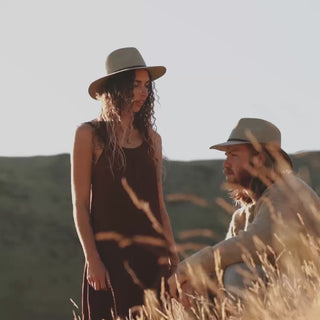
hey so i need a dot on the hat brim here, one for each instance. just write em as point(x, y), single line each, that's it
point(155, 73)
point(224, 147)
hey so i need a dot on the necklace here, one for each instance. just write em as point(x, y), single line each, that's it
point(128, 135)
point(126, 126)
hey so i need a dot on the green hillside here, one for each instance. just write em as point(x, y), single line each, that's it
point(41, 258)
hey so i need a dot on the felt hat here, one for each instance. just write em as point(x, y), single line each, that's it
point(255, 132)
point(122, 60)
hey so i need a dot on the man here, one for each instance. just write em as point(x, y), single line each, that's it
point(277, 217)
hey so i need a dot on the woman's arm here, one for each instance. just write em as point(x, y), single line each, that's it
point(81, 164)
point(163, 211)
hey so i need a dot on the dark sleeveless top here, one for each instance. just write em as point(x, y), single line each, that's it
point(111, 207)
point(113, 210)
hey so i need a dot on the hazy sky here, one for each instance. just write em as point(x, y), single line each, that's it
point(225, 60)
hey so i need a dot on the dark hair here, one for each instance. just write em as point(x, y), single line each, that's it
point(115, 95)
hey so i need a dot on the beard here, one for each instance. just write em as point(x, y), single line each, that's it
point(244, 188)
point(239, 186)
point(242, 180)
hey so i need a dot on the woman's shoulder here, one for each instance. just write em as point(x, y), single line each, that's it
point(157, 144)
point(93, 124)
point(95, 128)
point(155, 136)
point(84, 129)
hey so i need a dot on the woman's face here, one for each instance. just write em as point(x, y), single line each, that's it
point(141, 87)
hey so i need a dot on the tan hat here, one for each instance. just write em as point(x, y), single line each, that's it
point(249, 129)
point(121, 60)
point(254, 131)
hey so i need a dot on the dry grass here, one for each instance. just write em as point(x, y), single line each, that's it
point(292, 293)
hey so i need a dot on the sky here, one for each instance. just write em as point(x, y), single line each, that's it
point(225, 60)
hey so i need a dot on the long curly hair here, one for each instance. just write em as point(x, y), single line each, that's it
point(115, 95)
point(276, 165)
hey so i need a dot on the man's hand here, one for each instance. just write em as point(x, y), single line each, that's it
point(188, 269)
point(181, 289)
point(186, 295)
point(175, 283)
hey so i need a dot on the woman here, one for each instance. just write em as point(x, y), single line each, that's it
point(120, 143)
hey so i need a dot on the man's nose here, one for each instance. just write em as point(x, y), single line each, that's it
point(226, 163)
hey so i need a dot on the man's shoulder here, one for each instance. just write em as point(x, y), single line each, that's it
point(289, 183)
point(289, 191)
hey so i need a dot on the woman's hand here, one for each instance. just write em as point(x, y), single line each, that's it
point(97, 275)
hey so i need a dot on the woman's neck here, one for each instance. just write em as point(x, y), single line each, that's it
point(127, 134)
point(127, 118)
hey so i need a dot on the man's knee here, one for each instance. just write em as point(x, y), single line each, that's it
point(238, 277)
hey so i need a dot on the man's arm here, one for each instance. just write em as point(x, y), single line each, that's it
point(230, 250)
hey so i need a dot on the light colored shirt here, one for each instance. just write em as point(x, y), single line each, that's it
point(287, 213)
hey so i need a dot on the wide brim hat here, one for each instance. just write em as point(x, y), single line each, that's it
point(255, 132)
point(122, 60)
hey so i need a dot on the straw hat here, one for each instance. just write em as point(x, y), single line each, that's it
point(122, 60)
point(254, 131)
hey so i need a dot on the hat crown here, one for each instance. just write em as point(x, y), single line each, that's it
point(262, 131)
point(124, 58)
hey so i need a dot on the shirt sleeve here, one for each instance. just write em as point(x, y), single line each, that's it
point(256, 237)
point(231, 250)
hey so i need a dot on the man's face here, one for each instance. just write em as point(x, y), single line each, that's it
point(236, 165)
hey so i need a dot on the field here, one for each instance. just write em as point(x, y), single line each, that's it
point(41, 259)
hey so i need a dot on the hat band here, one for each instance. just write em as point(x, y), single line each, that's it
point(241, 140)
point(131, 67)
point(250, 142)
